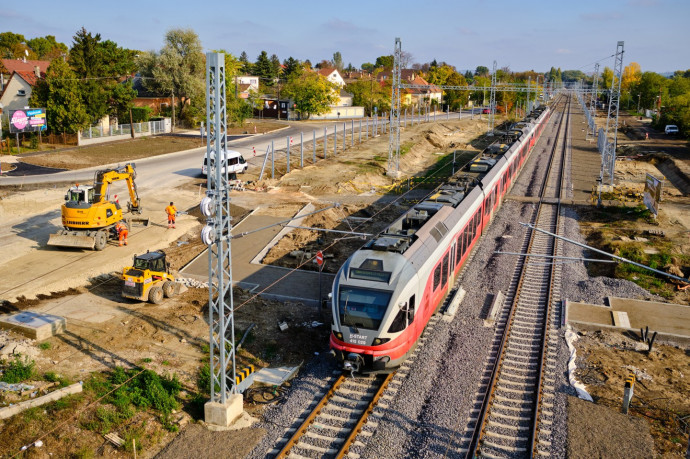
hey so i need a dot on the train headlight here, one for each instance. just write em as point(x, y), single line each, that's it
point(339, 335)
point(379, 341)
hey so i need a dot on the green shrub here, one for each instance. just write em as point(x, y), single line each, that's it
point(18, 370)
point(44, 346)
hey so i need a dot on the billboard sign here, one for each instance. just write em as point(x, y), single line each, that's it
point(29, 120)
point(652, 194)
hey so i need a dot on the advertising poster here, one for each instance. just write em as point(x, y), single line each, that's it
point(29, 120)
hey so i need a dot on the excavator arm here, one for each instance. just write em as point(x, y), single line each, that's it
point(104, 178)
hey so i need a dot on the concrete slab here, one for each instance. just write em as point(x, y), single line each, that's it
point(34, 325)
point(669, 320)
point(274, 282)
point(87, 307)
point(452, 309)
point(275, 376)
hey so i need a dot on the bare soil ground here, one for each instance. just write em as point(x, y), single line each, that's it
point(660, 404)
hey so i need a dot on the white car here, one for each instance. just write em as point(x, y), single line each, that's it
point(671, 129)
point(233, 161)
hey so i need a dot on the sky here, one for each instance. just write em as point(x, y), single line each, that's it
point(534, 35)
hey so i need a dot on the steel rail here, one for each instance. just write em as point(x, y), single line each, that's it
point(360, 423)
point(310, 419)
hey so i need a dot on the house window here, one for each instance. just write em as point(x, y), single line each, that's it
point(21, 93)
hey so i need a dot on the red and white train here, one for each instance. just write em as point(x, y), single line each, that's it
point(385, 293)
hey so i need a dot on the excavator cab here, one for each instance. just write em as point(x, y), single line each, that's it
point(149, 278)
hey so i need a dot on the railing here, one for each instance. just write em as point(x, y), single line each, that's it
point(150, 127)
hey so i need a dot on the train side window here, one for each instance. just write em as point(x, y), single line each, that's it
point(459, 251)
point(444, 270)
point(477, 221)
point(437, 276)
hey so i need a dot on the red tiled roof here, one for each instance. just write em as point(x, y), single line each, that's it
point(18, 65)
point(326, 72)
point(29, 76)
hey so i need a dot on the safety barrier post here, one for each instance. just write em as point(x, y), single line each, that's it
point(273, 160)
point(352, 132)
point(301, 150)
point(335, 139)
point(360, 131)
point(288, 154)
point(344, 135)
point(314, 145)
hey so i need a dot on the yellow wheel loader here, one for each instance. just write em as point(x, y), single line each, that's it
point(149, 279)
point(89, 218)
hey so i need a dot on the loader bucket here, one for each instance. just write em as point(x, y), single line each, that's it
point(72, 240)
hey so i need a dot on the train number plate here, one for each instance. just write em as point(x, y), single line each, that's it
point(129, 283)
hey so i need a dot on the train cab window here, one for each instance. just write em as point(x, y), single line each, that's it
point(444, 270)
point(363, 308)
point(404, 317)
point(437, 276)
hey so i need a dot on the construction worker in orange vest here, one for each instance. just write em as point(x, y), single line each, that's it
point(122, 232)
point(171, 210)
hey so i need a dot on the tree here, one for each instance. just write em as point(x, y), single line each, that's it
point(368, 67)
point(59, 94)
point(312, 94)
point(338, 61)
point(631, 76)
point(370, 93)
point(385, 61)
point(178, 70)
point(100, 65)
point(607, 77)
point(246, 66)
point(264, 70)
point(47, 47)
point(291, 67)
point(481, 71)
point(439, 75)
point(12, 45)
point(275, 66)
point(469, 77)
point(454, 98)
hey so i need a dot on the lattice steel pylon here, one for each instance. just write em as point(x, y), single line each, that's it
point(492, 102)
point(592, 130)
point(394, 131)
point(216, 234)
point(609, 157)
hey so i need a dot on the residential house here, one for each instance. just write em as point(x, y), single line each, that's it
point(333, 76)
point(424, 94)
point(246, 84)
point(146, 98)
point(17, 79)
point(406, 75)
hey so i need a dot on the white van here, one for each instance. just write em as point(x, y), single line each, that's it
point(234, 162)
point(671, 129)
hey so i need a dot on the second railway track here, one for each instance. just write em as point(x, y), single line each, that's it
point(514, 408)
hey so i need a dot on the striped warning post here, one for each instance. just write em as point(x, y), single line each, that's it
point(244, 378)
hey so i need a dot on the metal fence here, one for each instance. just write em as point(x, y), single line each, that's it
point(152, 127)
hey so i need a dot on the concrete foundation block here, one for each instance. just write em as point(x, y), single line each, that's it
point(34, 325)
point(224, 414)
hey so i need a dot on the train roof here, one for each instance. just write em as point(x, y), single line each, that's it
point(401, 234)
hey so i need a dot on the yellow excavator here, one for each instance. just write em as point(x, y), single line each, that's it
point(89, 218)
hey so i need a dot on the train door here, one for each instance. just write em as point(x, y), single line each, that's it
point(452, 262)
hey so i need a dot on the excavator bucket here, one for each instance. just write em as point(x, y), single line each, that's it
point(67, 239)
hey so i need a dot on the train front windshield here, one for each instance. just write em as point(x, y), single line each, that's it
point(363, 308)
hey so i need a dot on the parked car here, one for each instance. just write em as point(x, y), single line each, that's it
point(671, 129)
point(486, 110)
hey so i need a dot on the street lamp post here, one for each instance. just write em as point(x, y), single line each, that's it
point(638, 102)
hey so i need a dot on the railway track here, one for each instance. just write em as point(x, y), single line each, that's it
point(514, 403)
point(346, 414)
